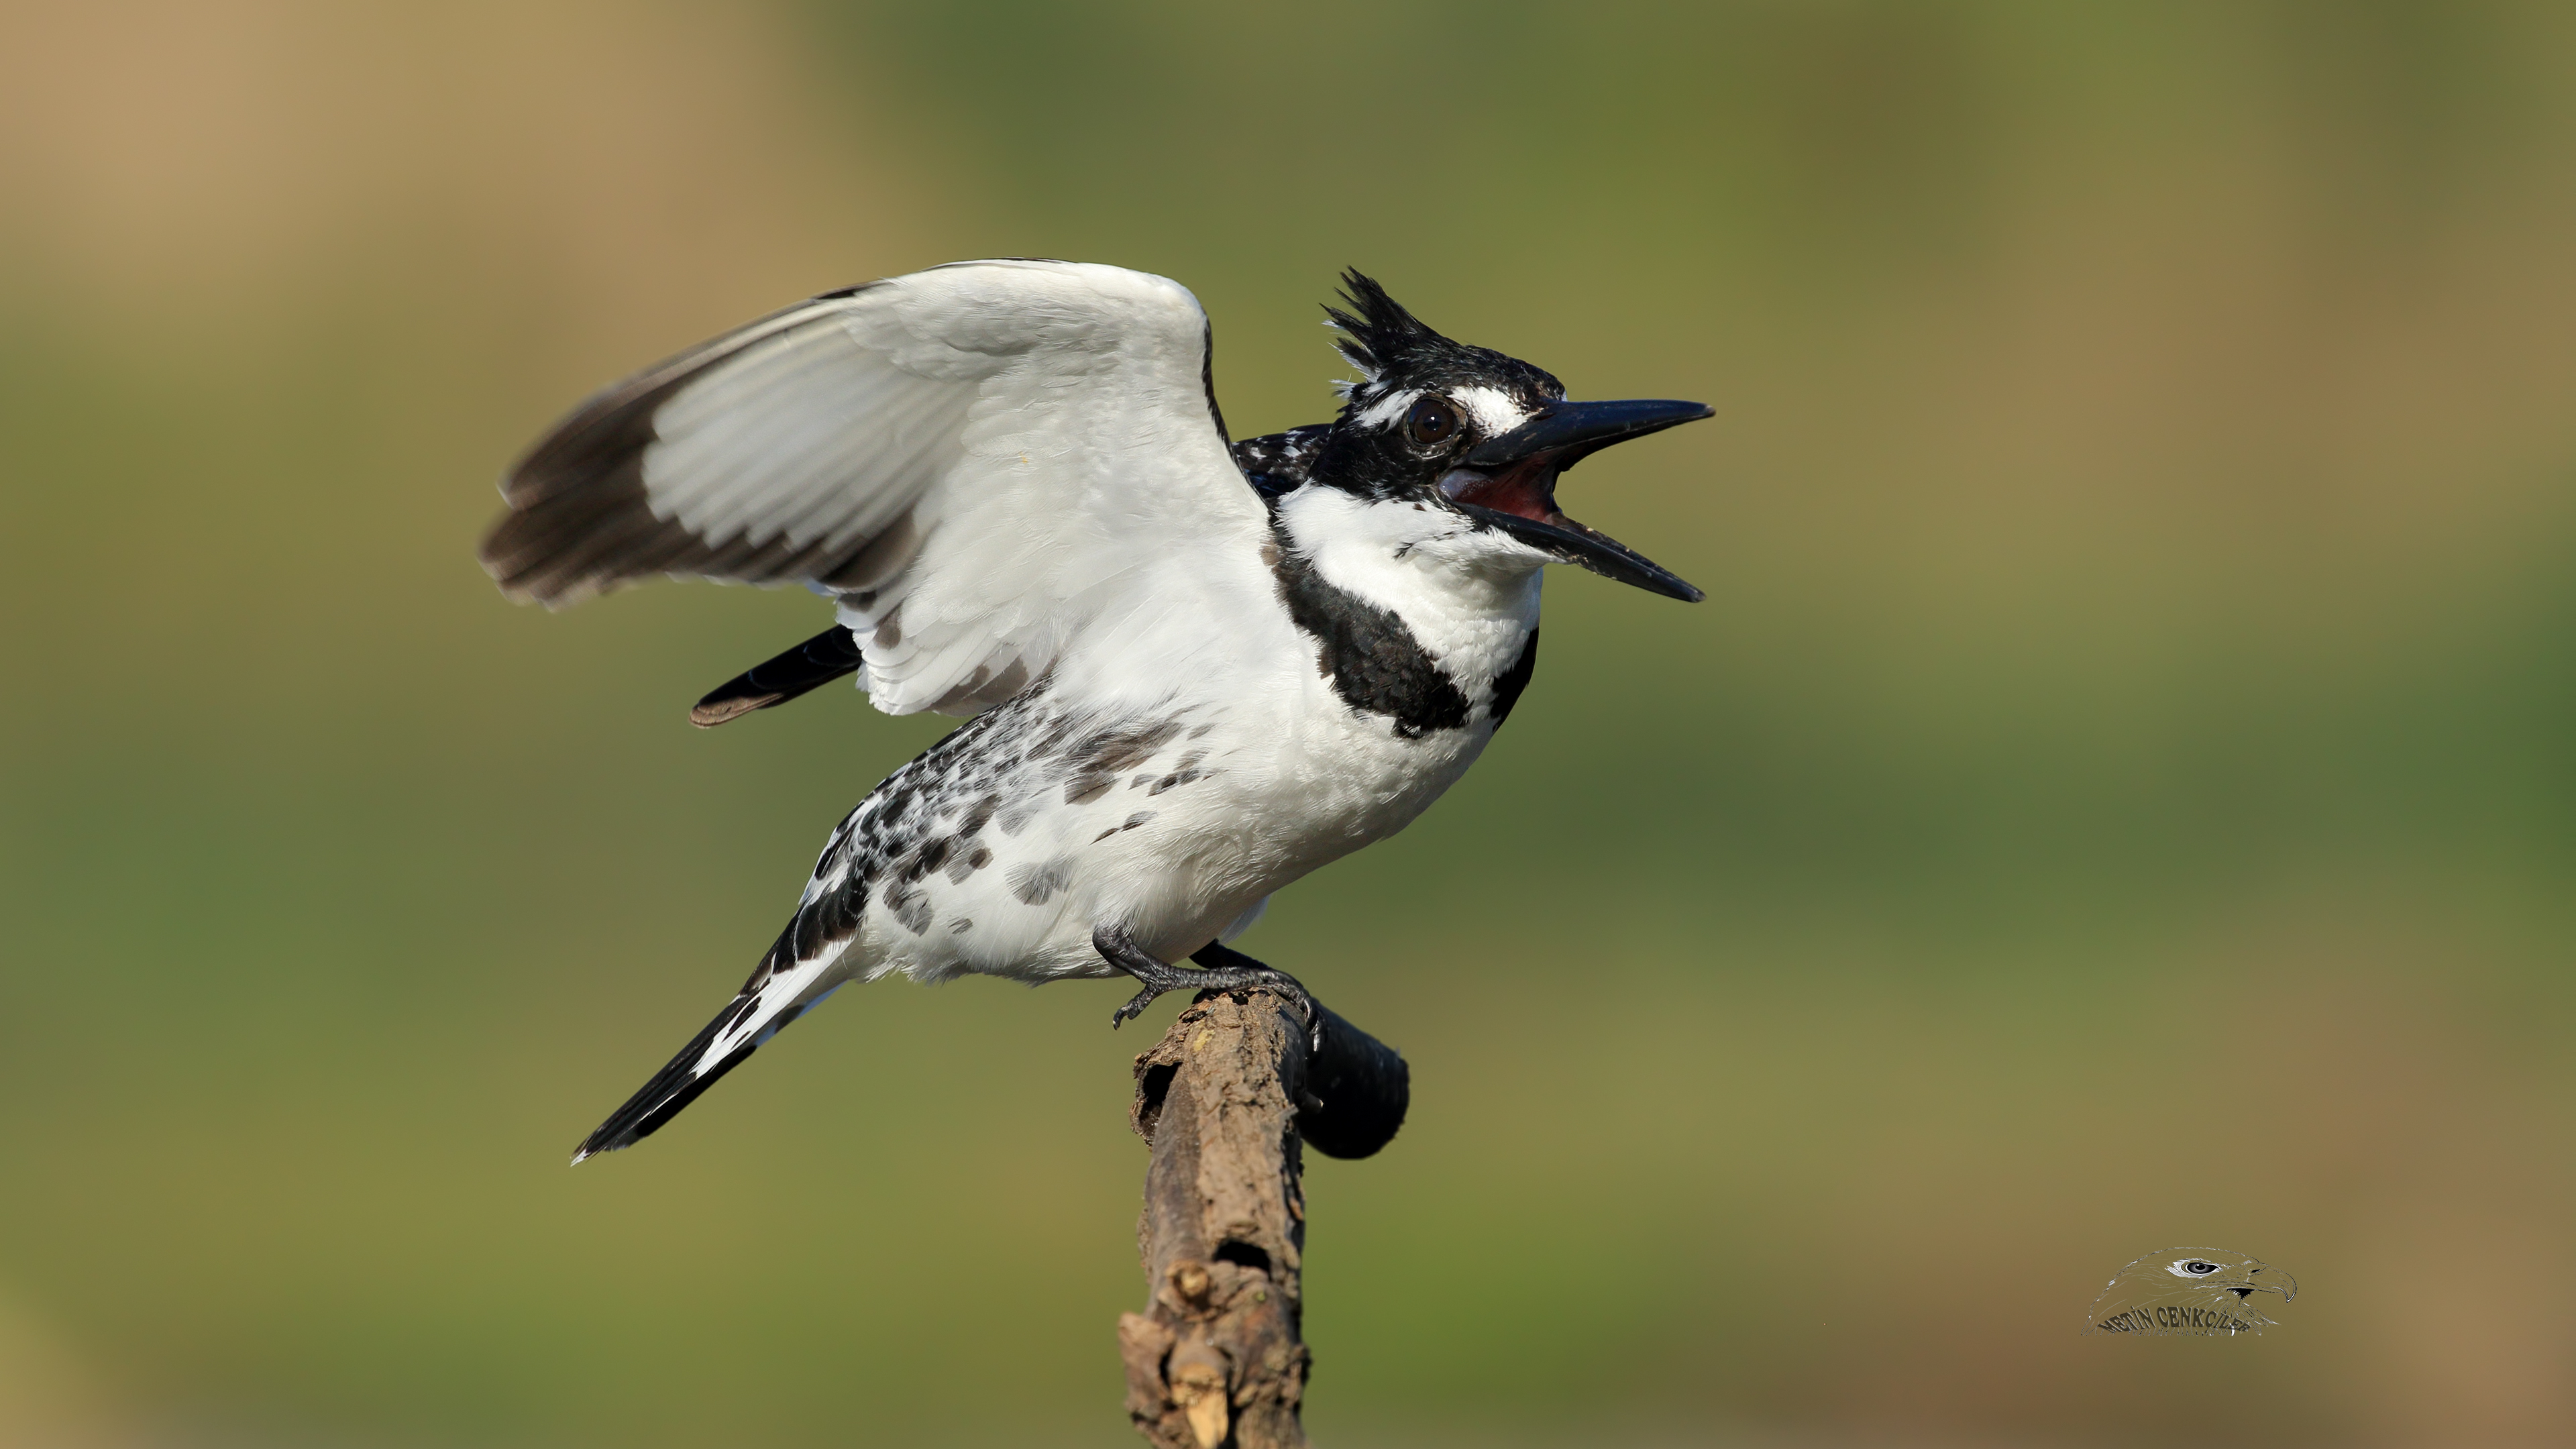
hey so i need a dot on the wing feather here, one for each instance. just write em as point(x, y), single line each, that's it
point(984, 461)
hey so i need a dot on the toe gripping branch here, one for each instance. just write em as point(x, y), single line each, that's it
point(1221, 968)
point(1350, 1091)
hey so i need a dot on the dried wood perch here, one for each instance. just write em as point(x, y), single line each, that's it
point(1227, 1099)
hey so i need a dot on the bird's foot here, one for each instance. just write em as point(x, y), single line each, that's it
point(1239, 970)
point(1220, 968)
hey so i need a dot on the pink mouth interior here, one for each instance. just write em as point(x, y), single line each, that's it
point(1526, 489)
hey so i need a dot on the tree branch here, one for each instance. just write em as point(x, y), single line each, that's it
point(1228, 1099)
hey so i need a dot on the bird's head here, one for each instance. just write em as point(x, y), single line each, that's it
point(1477, 439)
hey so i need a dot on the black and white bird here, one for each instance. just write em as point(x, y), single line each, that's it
point(1195, 670)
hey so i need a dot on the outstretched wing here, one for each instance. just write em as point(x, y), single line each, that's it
point(985, 462)
point(1273, 464)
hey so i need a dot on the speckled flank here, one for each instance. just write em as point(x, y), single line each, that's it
point(1035, 885)
point(1100, 759)
point(954, 812)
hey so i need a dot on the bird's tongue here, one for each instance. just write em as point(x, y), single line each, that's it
point(1526, 489)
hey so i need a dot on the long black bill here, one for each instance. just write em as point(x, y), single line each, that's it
point(1572, 431)
point(1509, 483)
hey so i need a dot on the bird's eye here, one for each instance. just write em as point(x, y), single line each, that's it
point(1432, 422)
point(2197, 1266)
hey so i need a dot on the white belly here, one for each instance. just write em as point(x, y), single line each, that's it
point(1173, 816)
point(1173, 824)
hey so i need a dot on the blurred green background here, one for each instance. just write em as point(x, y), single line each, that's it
point(2120, 791)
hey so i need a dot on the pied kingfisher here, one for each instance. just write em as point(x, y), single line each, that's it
point(1195, 670)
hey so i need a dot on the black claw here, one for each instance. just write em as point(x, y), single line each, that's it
point(1134, 1008)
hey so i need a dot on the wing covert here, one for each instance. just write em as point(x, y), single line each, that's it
point(979, 461)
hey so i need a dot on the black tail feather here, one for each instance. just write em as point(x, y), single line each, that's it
point(810, 665)
point(679, 1082)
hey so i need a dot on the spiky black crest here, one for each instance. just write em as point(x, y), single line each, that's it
point(1382, 334)
point(1394, 349)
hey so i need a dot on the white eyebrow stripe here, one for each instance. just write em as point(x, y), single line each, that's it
point(1387, 409)
point(1496, 411)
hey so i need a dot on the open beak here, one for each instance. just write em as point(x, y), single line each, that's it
point(1509, 483)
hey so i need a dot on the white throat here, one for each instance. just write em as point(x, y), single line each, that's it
point(1463, 591)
